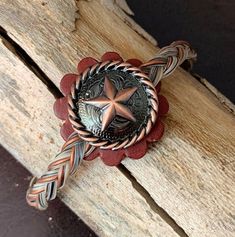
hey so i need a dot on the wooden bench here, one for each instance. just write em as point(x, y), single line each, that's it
point(184, 186)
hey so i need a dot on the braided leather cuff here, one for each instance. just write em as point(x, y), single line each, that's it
point(111, 109)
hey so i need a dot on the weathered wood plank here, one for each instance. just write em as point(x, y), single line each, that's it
point(102, 196)
point(56, 34)
point(191, 172)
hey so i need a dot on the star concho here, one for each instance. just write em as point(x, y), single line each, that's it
point(113, 105)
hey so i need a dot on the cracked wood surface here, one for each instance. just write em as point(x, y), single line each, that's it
point(102, 196)
point(190, 173)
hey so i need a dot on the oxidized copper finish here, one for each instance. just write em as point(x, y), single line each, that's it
point(110, 103)
point(135, 92)
point(113, 105)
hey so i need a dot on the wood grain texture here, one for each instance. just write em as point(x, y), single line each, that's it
point(223, 99)
point(121, 8)
point(190, 173)
point(100, 195)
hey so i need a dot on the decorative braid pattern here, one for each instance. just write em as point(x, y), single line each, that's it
point(43, 189)
point(167, 60)
point(81, 143)
point(89, 136)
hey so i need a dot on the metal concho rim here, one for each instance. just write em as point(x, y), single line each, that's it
point(89, 136)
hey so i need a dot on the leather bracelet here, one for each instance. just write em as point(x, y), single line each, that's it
point(111, 109)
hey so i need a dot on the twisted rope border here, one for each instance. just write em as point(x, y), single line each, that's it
point(43, 189)
point(89, 136)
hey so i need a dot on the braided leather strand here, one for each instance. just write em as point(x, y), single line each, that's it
point(82, 143)
point(44, 189)
point(167, 60)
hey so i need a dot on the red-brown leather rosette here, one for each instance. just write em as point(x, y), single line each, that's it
point(109, 157)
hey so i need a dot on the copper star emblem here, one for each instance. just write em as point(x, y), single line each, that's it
point(111, 104)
